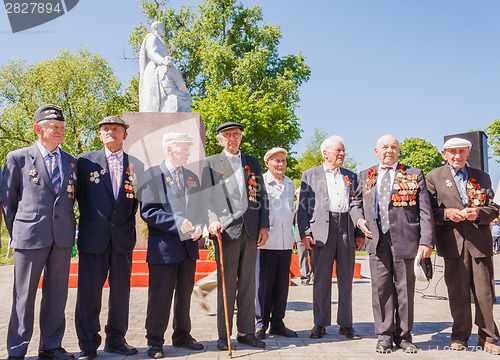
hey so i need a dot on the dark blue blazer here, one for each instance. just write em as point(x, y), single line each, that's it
point(102, 218)
point(164, 210)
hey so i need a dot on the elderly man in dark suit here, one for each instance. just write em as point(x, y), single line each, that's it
point(37, 194)
point(237, 206)
point(170, 205)
point(462, 202)
point(106, 239)
point(326, 228)
point(392, 207)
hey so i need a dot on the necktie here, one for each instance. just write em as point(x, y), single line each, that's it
point(384, 197)
point(462, 187)
point(179, 182)
point(55, 173)
point(114, 166)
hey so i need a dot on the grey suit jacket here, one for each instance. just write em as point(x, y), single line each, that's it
point(450, 235)
point(34, 214)
point(410, 225)
point(223, 201)
point(314, 204)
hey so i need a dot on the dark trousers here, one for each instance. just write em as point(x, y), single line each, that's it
point(272, 279)
point(338, 247)
point(461, 275)
point(239, 257)
point(93, 269)
point(163, 280)
point(54, 261)
point(393, 290)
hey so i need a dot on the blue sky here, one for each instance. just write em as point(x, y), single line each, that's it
point(413, 68)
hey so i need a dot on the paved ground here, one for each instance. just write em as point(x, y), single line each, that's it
point(431, 331)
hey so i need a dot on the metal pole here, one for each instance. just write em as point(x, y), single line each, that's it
point(226, 314)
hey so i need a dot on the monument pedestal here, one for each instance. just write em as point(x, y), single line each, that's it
point(144, 141)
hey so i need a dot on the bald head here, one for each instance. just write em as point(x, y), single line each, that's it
point(387, 150)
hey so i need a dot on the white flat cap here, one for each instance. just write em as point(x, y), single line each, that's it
point(175, 137)
point(273, 151)
point(456, 143)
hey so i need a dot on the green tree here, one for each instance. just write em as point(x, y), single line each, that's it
point(421, 154)
point(230, 63)
point(82, 84)
point(312, 156)
point(493, 132)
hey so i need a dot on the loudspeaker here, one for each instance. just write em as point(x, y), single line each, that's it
point(478, 157)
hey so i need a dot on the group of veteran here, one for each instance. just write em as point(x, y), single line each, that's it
point(250, 217)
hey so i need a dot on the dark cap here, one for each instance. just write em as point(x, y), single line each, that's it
point(229, 125)
point(113, 120)
point(48, 112)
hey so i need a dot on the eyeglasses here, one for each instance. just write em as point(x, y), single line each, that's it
point(228, 136)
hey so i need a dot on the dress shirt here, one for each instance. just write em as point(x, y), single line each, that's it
point(381, 172)
point(238, 174)
point(337, 190)
point(460, 177)
point(115, 165)
point(280, 212)
point(48, 161)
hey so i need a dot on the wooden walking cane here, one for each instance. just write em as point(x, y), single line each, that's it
point(226, 314)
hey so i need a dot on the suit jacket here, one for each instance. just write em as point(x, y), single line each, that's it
point(223, 201)
point(450, 236)
point(103, 219)
point(164, 210)
point(34, 214)
point(410, 225)
point(313, 213)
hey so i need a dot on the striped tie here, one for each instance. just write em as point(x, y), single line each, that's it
point(55, 174)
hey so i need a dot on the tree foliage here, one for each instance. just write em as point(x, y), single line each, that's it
point(421, 154)
point(82, 84)
point(230, 63)
point(493, 132)
point(312, 156)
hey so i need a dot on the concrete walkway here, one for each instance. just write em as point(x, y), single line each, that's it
point(431, 331)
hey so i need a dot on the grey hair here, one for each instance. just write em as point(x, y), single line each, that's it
point(330, 142)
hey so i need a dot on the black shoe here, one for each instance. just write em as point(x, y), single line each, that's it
point(251, 340)
point(188, 342)
point(284, 331)
point(260, 334)
point(15, 357)
point(87, 355)
point(317, 332)
point(55, 354)
point(383, 347)
point(407, 347)
point(222, 344)
point(155, 352)
point(349, 333)
point(123, 349)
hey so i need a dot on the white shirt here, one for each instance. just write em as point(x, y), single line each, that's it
point(238, 175)
point(381, 173)
point(280, 212)
point(115, 166)
point(48, 161)
point(337, 190)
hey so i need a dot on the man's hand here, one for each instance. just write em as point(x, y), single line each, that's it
point(472, 214)
point(362, 226)
point(426, 249)
point(456, 215)
point(186, 226)
point(308, 241)
point(359, 242)
point(196, 233)
point(215, 228)
point(263, 236)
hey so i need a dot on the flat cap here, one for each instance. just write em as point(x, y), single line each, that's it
point(113, 120)
point(48, 112)
point(456, 143)
point(176, 137)
point(229, 125)
point(273, 151)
